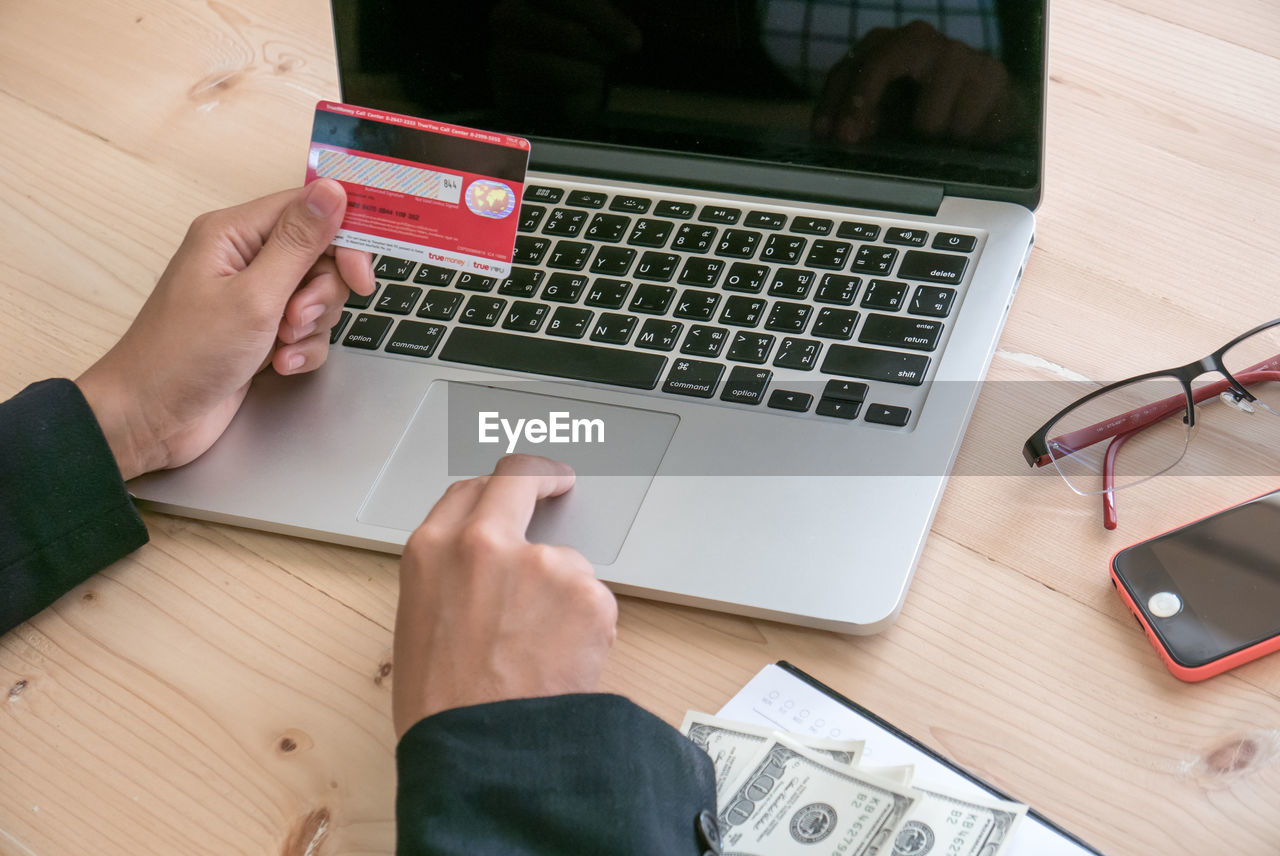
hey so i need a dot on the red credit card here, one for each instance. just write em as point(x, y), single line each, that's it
point(422, 190)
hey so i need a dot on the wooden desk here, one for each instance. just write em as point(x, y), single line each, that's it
point(227, 691)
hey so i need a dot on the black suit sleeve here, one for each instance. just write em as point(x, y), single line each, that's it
point(576, 774)
point(64, 510)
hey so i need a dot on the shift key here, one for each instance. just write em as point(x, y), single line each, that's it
point(872, 364)
point(932, 267)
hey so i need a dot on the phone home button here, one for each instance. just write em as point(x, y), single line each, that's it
point(1164, 604)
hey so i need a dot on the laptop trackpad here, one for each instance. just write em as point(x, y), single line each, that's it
point(614, 450)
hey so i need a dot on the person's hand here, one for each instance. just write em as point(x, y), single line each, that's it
point(961, 94)
point(251, 286)
point(486, 616)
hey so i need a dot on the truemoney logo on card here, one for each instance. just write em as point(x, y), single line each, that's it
point(559, 427)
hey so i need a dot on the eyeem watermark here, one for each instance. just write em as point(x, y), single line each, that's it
point(558, 427)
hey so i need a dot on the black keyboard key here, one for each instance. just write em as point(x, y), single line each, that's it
point(652, 299)
point(896, 331)
point(750, 347)
point(874, 259)
point(630, 204)
point(738, 243)
point(745, 385)
point(658, 267)
point(765, 220)
point(873, 364)
point(838, 408)
point(586, 199)
point(564, 287)
point(541, 193)
point(702, 271)
point(613, 328)
point(678, 210)
point(953, 242)
point(788, 317)
point(395, 270)
point(529, 249)
point(530, 217)
point(608, 227)
point(360, 301)
point(837, 288)
point(719, 214)
point(526, 316)
point(608, 293)
point(523, 282)
point(399, 299)
point(555, 357)
point(791, 282)
point(439, 305)
point(367, 331)
point(694, 238)
point(932, 300)
point(932, 267)
point(570, 323)
point(745, 277)
point(415, 338)
point(798, 354)
point(831, 255)
point(613, 261)
point(434, 275)
point(569, 255)
point(884, 294)
point(906, 237)
point(704, 341)
point(741, 311)
point(482, 311)
point(858, 231)
point(565, 222)
point(887, 414)
point(693, 377)
point(786, 399)
point(835, 323)
point(697, 305)
point(336, 330)
point(651, 233)
point(659, 335)
point(476, 282)
point(845, 390)
point(811, 225)
point(785, 249)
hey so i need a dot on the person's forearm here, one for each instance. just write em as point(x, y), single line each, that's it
point(64, 510)
point(589, 773)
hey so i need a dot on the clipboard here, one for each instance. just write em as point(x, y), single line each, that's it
point(785, 697)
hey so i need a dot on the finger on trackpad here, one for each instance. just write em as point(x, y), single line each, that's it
point(461, 430)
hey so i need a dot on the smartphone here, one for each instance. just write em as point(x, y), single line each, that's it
point(1208, 594)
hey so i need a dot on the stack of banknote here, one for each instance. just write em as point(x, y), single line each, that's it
point(779, 794)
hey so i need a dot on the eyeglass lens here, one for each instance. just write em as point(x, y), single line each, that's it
point(1145, 418)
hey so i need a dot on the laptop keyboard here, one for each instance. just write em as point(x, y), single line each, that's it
point(750, 307)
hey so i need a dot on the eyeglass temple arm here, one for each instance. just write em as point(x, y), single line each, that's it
point(1082, 438)
point(1109, 478)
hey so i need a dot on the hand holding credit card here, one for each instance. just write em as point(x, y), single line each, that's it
point(421, 190)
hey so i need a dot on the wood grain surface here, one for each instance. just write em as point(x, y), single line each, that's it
point(224, 691)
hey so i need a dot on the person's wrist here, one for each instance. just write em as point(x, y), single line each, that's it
point(119, 423)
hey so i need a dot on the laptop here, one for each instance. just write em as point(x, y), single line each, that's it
point(765, 252)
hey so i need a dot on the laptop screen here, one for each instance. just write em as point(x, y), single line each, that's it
point(945, 91)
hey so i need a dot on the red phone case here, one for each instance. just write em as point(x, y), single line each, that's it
point(1215, 667)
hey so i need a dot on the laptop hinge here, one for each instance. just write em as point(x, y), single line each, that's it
point(738, 176)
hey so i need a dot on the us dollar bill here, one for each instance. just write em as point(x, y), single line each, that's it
point(943, 823)
point(733, 745)
point(790, 799)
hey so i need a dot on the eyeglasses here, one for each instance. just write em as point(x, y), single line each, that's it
point(1153, 417)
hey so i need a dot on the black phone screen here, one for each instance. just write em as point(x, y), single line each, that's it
point(1225, 569)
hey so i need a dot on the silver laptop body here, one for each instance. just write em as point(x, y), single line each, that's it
point(720, 492)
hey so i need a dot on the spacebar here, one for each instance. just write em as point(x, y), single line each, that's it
point(549, 357)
